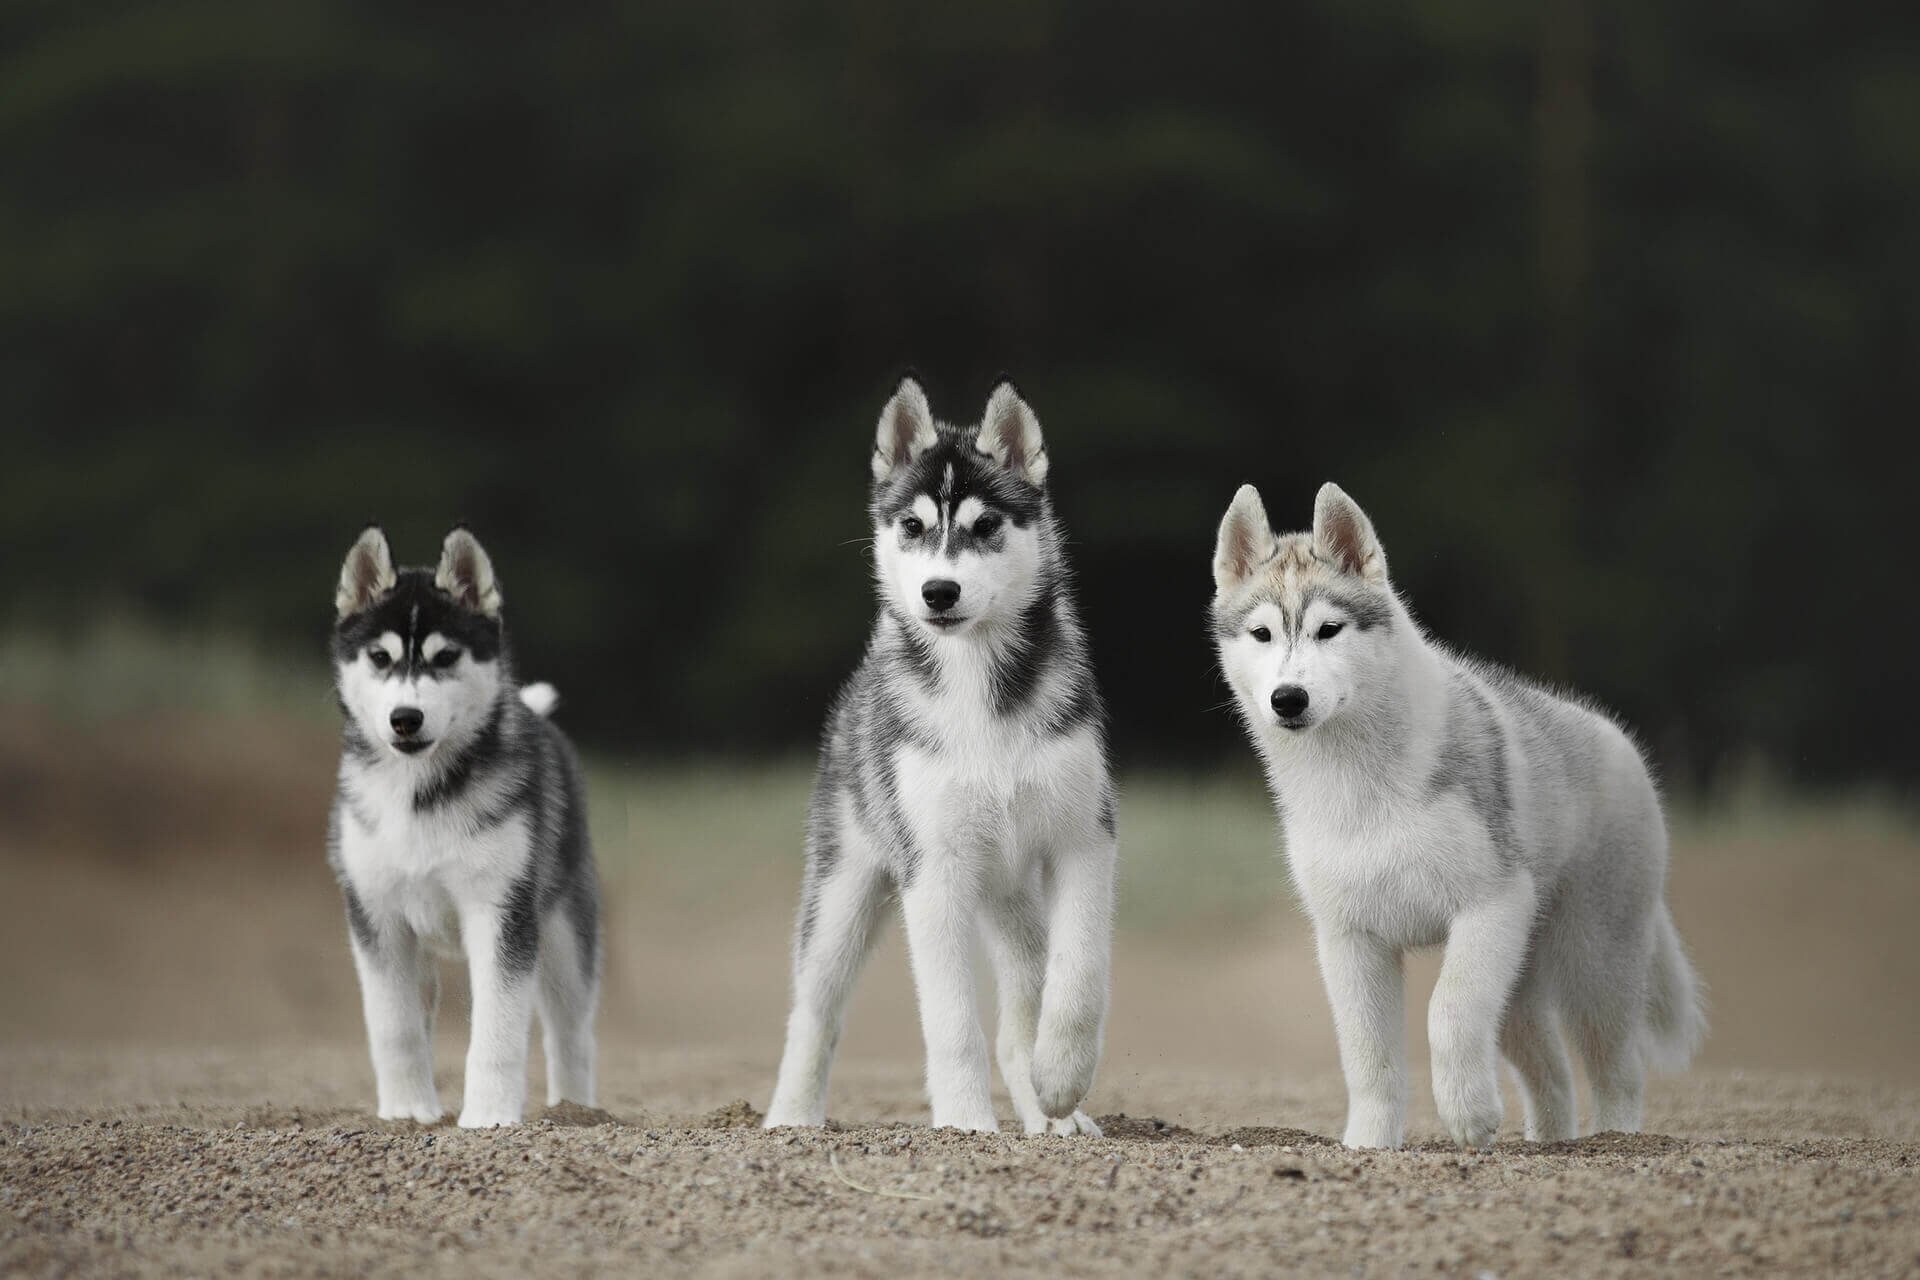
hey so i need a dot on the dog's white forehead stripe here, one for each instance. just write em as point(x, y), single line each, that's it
point(969, 510)
point(433, 644)
point(391, 642)
point(929, 513)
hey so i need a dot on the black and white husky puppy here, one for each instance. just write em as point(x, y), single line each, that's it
point(459, 824)
point(964, 772)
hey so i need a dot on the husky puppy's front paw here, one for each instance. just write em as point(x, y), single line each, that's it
point(475, 1117)
point(1376, 1131)
point(1062, 1074)
point(1078, 1124)
point(982, 1123)
point(786, 1116)
point(1469, 1106)
point(422, 1111)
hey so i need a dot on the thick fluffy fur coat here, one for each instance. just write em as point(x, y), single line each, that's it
point(963, 772)
point(1430, 799)
point(458, 826)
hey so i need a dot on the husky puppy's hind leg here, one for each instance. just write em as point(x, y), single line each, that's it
point(1016, 936)
point(568, 996)
point(503, 998)
point(1603, 984)
point(1530, 1041)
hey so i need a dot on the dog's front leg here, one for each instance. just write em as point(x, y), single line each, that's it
point(395, 979)
point(941, 909)
point(1485, 947)
point(1073, 1010)
point(842, 903)
point(1364, 986)
point(501, 943)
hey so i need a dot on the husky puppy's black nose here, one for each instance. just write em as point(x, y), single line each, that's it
point(406, 721)
point(941, 594)
point(1289, 701)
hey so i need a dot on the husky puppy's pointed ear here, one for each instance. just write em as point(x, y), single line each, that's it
point(906, 429)
point(466, 574)
point(367, 574)
point(1246, 541)
point(1343, 534)
point(1010, 435)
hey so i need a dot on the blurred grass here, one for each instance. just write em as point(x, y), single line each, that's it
point(1754, 802)
point(1193, 850)
point(1199, 849)
point(119, 666)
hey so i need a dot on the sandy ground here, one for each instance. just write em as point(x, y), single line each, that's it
point(183, 1087)
point(266, 1162)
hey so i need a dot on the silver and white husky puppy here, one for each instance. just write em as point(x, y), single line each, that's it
point(459, 823)
point(1426, 799)
point(964, 771)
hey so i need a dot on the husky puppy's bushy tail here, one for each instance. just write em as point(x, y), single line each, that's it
point(1676, 1000)
point(541, 698)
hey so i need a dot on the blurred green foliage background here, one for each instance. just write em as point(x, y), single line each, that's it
point(1607, 313)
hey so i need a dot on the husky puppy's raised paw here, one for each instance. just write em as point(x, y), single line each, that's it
point(963, 773)
point(1430, 799)
point(459, 825)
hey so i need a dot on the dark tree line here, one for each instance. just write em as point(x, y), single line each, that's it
point(1608, 313)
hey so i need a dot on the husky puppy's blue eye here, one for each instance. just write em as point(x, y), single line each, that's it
point(1328, 630)
point(1261, 634)
point(984, 527)
point(446, 657)
point(380, 658)
point(912, 527)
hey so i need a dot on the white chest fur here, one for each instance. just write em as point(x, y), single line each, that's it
point(1396, 866)
point(995, 790)
point(1030, 795)
point(424, 867)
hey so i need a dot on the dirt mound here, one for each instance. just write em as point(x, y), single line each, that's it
point(1251, 1136)
point(1144, 1129)
point(738, 1114)
point(571, 1115)
point(1613, 1143)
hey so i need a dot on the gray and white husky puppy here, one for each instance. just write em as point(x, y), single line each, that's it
point(1427, 798)
point(459, 824)
point(964, 771)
